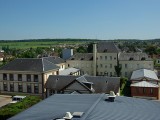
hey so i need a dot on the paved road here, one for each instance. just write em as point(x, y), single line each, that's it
point(4, 100)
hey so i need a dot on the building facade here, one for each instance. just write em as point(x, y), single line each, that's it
point(105, 57)
point(26, 76)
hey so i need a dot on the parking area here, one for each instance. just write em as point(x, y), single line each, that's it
point(4, 99)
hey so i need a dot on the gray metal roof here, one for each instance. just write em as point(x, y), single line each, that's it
point(68, 71)
point(144, 84)
point(144, 73)
point(29, 64)
point(94, 106)
point(82, 57)
point(133, 56)
point(101, 84)
point(109, 47)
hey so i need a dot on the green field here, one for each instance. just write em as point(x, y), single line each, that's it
point(37, 43)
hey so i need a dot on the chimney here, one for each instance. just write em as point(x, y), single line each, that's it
point(94, 59)
point(111, 96)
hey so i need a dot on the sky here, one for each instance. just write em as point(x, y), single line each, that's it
point(85, 19)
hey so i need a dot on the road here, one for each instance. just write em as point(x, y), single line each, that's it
point(4, 99)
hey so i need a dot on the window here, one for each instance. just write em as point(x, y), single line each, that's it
point(35, 78)
point(114, 58)
point(110, 57)
point(68, 65)
point(29, 78)
point(151, 90)
point(20, 88)
point(126, 66)
point(28, 88)
point(110, 73)
point(100, 57)
point(12, 87)
point(19, 77)
point(4, 76)
point(5, 87)
point(11, 77)
point(101, 65)
point(105, 66)
point(101, 73)
point(110, 65)
point(36, 89)
point(125, 73)
point(105, 57)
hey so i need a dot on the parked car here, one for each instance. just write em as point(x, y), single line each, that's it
point(17, 98)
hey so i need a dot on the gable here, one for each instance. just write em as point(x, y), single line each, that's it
point(76, 86)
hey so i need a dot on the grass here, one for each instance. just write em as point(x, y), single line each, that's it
point(34, 44)
point(13, 109)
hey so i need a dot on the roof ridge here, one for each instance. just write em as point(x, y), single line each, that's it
point(92, 107)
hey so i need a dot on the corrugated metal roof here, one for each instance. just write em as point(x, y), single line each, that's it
point(139, 74)
point(144, 84)
point(94, 106)
point(68, 71)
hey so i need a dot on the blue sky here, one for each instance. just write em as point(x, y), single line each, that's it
point(91, 19)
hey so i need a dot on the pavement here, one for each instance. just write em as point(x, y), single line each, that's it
point(4, 100)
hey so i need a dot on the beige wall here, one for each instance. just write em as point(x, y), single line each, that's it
point(129, 66)
point(24, 81)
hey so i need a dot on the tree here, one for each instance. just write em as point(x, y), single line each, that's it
point(151, 50)
point(81, 49)
point(90, 48)
point(118, 69)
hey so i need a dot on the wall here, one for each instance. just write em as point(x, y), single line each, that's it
point(139, 92)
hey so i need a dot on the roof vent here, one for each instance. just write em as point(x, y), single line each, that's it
point(111, 96)
point(68, 116)
point(77, 114)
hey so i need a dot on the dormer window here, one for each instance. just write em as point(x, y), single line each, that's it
point(143, 58)
point(131, 58)
point(88, 84)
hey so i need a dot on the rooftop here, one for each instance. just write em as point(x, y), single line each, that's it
point(144, 84)
point(134, 56)
point(82, 56)
point(29, 64)
point(94, 106)
point(101, 84)
point(144, 73)
point(68, 71)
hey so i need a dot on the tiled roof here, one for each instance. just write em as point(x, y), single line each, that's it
point(133, 56)
point(109, 47)
point(94, 106)
point(55, 59)
point(144, 84)
point(144, 73)
point(29, 64)
point(101, 84)
point(82, 56)
point(68, 71)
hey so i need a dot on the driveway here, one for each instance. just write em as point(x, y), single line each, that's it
point(4, 99)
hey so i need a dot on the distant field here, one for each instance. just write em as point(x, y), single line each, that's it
point(34, 44)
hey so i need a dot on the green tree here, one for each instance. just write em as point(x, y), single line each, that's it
point(81, 49)
point(118, 69)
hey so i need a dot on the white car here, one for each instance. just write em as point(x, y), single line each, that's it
point(17, 98)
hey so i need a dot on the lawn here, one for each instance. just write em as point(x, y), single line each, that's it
point(13, 109)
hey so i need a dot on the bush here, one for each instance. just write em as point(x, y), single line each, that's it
point(12, 109)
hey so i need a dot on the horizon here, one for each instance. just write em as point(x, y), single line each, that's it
point(60, 19)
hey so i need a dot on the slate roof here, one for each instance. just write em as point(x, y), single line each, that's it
point(68, 71)
point(101, 84)
point(144, 73)
point(82, 56)
point(134, 56)
point(144, 84)
point(108, 47)
point(29, 64)
point(94, 106)
point(55, 59)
